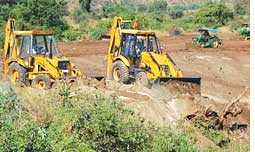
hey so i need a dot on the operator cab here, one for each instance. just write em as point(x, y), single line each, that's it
point(132, 45)
point(37, 44)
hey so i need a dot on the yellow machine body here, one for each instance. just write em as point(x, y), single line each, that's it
point(22, 50)
point(150, 60)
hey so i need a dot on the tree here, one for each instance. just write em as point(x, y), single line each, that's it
point(39, 14)
point(213, 15)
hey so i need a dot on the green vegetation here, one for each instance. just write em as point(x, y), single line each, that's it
point(84, 122)
point(156, 15)
point(208, 130)
point(38, 14)
point(214, 15)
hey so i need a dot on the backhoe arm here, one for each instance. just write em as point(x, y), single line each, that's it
point(9, 37)
point(114, 41)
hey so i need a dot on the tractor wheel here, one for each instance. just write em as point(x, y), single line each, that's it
point(16, 73)
point(215, 44)
point(141, 78)
point(202, 45)
point(246, 38)
point(120, 72)
point(41, 82)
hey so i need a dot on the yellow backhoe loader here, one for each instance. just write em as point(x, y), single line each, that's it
point(135, 56)
point(32, 57)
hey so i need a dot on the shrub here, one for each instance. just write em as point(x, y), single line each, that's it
point(176, 12)
point(240, 9)
point(16, 131)
point(10, 105)
point(80, 16)
point(175, 142)
point(71, 35)
point(96, 32)
point(213, 15)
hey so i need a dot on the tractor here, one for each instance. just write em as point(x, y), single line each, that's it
point(207, 40)
point(245, 31)
point(33, 58)
point(135, 56)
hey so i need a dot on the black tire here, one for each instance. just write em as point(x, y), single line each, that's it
point(141, 78)
point(41, 82)
point(120, 72)
point(21, 71)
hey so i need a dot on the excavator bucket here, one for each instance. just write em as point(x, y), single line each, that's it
point(180, 85)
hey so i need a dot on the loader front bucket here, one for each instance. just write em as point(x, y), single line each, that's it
point(180, 85)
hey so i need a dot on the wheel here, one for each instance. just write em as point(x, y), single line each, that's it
point(141, 78)
point(16, 73)
point(215, 44)
point(202, 45)
point(120, 72)
point(41, 82)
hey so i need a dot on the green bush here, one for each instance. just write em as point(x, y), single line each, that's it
point(240, 9)
point(71, 35)
point(96, 32)
point(16, 130)
point(80, 16)
point(176, 12)
point(213, 15)
point(108, 127)
point(10, 105)
point(178, 142)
